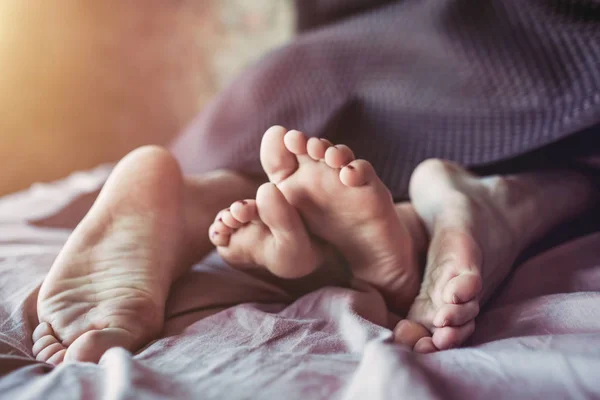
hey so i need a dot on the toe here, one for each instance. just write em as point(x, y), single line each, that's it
point(228, 219)
point(357, 173)
point(456, 314)
point(462, 289)
point(452, 337)
point(219, 226)
point(217, 238)
point(425, 345)
point(90, 346)
point(338, 156)
point(279, 215)
point(46, 347)
point(295, 254)
point(296, 142)
point(277, 161)
point(316, 148)
point(244, 211)
point(58, 357)
point(42, 343)
point(48, 352)
point(409, 333)
point(43, 329)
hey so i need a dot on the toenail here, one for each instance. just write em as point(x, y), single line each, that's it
point(445, 323)
point(227, 209)
point(220, 219)
point(244, 202)
point(349, 167)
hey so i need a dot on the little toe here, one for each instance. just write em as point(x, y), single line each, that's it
point(217, 238)
point(339, 155)
point(277, 161)
point(296, 142)
point(408, 333)
point(244, 211)
point(462, 288)
point(58, 357)
point(425, 345)
point(357, 173)
point(316, 148)
point(456, 314)
point(452, 337)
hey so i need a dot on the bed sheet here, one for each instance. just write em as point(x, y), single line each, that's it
point(231, 336)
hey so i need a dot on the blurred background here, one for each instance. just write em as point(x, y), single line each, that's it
point(82, 82)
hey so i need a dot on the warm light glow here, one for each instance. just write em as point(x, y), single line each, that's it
point(84, 81)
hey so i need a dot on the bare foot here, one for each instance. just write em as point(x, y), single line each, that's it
point(343, 202)
point(109, 284)
point(267, 238)
point(478, 227)
point(267, 232)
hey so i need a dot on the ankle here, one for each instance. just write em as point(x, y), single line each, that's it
point(535, 202)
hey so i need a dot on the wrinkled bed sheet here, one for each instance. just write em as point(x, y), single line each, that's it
point(231, 336)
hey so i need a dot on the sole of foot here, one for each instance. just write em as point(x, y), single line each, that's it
point(267, 232)
point(342, 202)
point(109, 284)
point(267, 238)
point(453, 205)
point(470, 222)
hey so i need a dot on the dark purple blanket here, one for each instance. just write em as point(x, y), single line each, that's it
point(400, 81)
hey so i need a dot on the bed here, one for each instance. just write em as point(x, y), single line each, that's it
point(229, 335)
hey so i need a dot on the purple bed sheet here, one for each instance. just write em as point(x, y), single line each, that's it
point(231, 336)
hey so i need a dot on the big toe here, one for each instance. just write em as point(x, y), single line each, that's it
point(425, 345)
point(277, 161)
point(297, 255)
point(90, 346)
point(462, 288)
point(408, 333)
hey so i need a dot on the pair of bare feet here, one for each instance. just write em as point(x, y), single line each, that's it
point(469, 230)
point(109, 285)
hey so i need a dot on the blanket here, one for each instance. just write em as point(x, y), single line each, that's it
point(230, 335)
point(398, 81)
